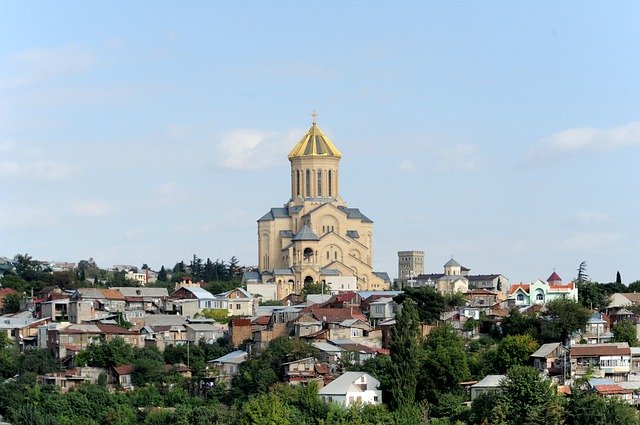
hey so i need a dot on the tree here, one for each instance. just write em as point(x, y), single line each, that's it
point(591, 295)
point(582, 273)
point(515, 350)
point(315, 288)
point(445, 364)
point(11, 303)
point(634, 286)
point(562, 318)
point(406, 355)
point(430, 304)
point(625, 331)
point(521, 324)
point(618, 278)
point(527, 394)
point(162, 274)
point(107, 353)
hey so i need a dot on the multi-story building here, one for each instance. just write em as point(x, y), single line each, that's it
point(315, 234)
point(410, 264)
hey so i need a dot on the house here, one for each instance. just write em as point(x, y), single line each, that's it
point(143, 298)
point(66, 342)
point(22, 329)
point(226, 367)
point(597, 330)
point(381, 308)
point(190, 299)
point(305, 370)
point(488, 384)
point(551, 359)
point(209, 332)
point(356, 353)
point(329, 353)
point(612, 360)
point(121, 376)
point(610, 389)
point(238, 302)
point(489, 282)
point(72, 378)
point(106, 300)
point(540, 292)
point(352, 387)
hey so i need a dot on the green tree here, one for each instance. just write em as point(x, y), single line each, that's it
point(406, 355)
point(265, 409)
point(634, 286)
point(162, 274)
point(591, 294)
point(582, 273)
point(430, 304)
point(315, 288)
point(515, 350)
point(625, 331)
point(521, 324)
point(445, 364)
point(12, 303)
point(107, 353)
point(527, 394)
point(618, 278)
point(562, 318)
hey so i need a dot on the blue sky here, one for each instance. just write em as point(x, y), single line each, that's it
point(506, 134)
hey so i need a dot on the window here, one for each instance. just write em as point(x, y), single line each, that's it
point(237, 306)
point(308, 183)
point(330, 184)
point(298, 182)
point(328, 256)
point(540, 297)
point(319, 182)
point(520, 297)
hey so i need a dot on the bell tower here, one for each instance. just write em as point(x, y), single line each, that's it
point(315, 167)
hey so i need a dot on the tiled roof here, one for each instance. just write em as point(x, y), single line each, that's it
point(554, 278)
point(262, 320)
point(593, 350)
point(126, 369)
point(114, 329)
point(611, 389)
point(524, 286)
point(6, 291)
point(337, 315)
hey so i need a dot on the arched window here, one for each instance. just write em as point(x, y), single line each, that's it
point(539, 297)
point(520, 297)
point(319, 182)
point(308, 183)
point(298, 182)
point(330, 184)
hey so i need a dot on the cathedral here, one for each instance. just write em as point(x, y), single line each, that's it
point(315, 237)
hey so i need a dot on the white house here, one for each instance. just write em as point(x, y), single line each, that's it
point(352, 387)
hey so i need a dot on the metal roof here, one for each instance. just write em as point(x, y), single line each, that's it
point(306, 234)
point(345, 382)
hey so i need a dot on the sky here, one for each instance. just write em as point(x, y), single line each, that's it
point(504, 134)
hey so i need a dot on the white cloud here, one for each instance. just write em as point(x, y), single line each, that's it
point(590, 242)
point(591, 217)
point(407, 166)
point(36, 65)
point(458, 157)
point(45, 169)
point(586, 139)
point(92, 208)
point(250, 149)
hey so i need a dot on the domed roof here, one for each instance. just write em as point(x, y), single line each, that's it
point(314, 143)
point(452, 263)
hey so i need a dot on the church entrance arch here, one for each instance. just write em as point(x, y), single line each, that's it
point(308, 280)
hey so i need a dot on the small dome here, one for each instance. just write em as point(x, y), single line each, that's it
point(314, 143)
point(452, 263)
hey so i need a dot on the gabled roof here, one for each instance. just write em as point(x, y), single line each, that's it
point(546, 349)
point(306, 234)
point(198, 292)
point(314, 143)
point(278, 212)
point(554, 278)
point(142, 291)
point(355, 214)
point(336, 315)
point(593, 350)
point(345, 383)
point(234, 357)
point(524, 287)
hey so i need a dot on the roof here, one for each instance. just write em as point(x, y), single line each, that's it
point(337, 315)
point(6, 291)
point(608, 389)
point(286, 234)
point(353, 234)
point(490, 381)
point(201, 327)
point(142, 291)
point(198, 292)
point(344, 383)
point(546, 349)
point(452, 263)
point(314, 143)
point(283, 271)
point(329, 272)
point(327, 347)
point(554, 278)
point(125, 369)
point(235, 357)
point(278, 212)
point(306, 234)
point(592, 350)
point(525, 287)
point(165, 320)
point(384, 276)
point(112, 294)
point(481, 277)
point(355, 214)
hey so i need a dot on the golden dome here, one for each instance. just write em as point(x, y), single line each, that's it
point(314, 143)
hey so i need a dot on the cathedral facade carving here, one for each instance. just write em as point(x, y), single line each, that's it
point(315, 236)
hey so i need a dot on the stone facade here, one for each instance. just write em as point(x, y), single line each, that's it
point(315, 235)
